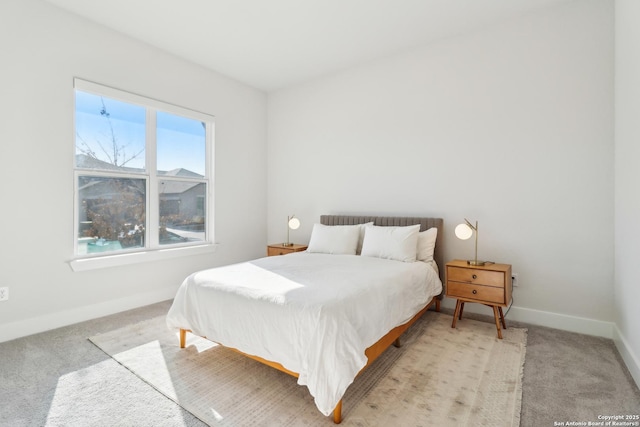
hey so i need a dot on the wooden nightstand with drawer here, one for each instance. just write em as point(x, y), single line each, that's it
point(489, 285)
point(280, 249)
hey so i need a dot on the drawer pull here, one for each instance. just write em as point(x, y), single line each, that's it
point(474, 277)
point(474, 292)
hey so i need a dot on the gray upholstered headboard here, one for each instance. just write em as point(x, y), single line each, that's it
point(425, 224)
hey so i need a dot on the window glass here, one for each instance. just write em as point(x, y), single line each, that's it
point(182, 211)
point(110, 134)
point(112, 214)
point(181, 145)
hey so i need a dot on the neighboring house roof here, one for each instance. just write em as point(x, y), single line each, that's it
point(182, 172)
point(87, 162)
point(176, 187)
point(84, 161)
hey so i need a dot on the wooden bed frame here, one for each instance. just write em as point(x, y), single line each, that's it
point(393, 336)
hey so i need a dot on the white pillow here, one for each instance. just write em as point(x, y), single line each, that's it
point(339, 239)
point(427, 244)
point(361, 236)
point(398, 243)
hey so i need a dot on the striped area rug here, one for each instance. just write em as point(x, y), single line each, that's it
point(440, 376)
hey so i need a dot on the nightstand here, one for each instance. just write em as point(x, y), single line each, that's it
point(489, 285)
point(280, 249)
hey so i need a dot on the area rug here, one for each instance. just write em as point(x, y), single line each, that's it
point(439, 376)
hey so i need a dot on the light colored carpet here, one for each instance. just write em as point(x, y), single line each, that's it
point(440, 376)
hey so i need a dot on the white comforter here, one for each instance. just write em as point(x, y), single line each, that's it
point(315, 314)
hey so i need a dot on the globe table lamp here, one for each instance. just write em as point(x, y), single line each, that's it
point(463, 232)
point(293, 223)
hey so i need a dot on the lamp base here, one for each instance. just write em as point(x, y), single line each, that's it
point(476, 262)
point(287, 244)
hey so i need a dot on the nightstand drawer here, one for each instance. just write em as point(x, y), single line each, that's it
point(280, 249)
point(476, 276)
point(477, 292)
point(271, 251)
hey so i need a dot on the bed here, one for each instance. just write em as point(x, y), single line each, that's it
point(325, 314)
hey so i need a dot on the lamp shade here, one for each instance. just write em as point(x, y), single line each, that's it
point(463, 232)
point(294, 223)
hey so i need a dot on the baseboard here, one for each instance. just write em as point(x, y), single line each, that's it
point(581, 325)
point(23, 328)
point(630, 358)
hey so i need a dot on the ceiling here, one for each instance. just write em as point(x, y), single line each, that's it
point(272, 44)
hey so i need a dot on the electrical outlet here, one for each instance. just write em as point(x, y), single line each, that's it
point(514, 279)
point(4, 294)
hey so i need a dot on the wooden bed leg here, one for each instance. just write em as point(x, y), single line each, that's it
point(437, 305)
point(183, 338)
point(397, 343)
point(337, 413)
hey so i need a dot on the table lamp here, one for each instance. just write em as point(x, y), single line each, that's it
point(293, 223)
point(463, 232)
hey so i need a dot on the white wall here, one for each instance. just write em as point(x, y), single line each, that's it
point(511, 126)
point(43, 48)
point(627, 177)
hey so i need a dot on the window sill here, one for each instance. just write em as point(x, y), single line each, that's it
point(85, 264)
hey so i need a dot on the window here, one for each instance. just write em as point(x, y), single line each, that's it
point(142, 174)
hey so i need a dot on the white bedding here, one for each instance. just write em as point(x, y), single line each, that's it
point(315, 314)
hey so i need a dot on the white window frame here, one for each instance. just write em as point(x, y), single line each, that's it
point(153, 250)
